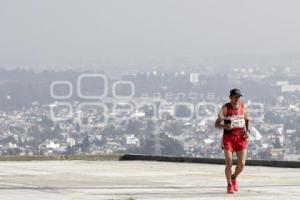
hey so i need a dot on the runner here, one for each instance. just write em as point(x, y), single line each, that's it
point(234, 119)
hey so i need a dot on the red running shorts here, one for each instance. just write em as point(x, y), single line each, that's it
point(233, 142)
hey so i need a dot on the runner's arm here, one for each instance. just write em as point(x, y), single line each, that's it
point(247, 123)
point(218, 123)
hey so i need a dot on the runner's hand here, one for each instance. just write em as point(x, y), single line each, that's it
point(246, 134)
point(227, 127)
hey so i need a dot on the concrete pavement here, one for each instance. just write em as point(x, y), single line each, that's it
point(64, 180)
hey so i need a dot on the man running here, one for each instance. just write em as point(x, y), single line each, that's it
point(234, 119)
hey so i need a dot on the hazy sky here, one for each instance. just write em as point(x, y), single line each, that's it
point(125, 31)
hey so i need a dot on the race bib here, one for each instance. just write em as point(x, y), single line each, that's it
point(237, 121)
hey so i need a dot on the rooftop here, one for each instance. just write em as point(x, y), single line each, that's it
point(80, 179)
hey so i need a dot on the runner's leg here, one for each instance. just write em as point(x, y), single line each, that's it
point(228, 162)
point(241, 161)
